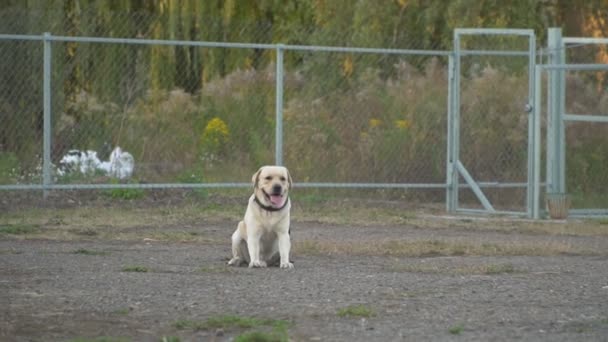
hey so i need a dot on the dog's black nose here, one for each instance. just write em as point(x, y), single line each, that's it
point(276, 189)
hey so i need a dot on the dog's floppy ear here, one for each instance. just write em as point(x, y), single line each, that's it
point(255, 179)
point(289, 180)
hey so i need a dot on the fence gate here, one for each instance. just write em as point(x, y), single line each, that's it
point(492, 130)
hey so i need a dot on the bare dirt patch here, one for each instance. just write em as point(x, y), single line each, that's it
point(125, 271)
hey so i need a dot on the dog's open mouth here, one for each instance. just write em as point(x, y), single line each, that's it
point(276, 200)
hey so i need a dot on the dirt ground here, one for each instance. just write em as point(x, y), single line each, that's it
point(429, 277)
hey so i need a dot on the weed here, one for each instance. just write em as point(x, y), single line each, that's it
point(359, 310)
point(84, 251)
point(456, 329)
point(123, 312)
point(126, 194)
point(19, 229)
point(141, 269)
point(432, 248)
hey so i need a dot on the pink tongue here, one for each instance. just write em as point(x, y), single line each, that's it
point(277, 201)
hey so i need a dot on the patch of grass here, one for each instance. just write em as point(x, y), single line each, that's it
point(259, 336)
point(84, 251)
point(433, 248)
point(126, 194)
point(359, 310)
point(140, 269)
point(19, 229)
point(123, 312)
point(456, 329)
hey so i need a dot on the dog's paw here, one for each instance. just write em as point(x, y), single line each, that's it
point(234, 262)
point(287, 265)
point(257, 264)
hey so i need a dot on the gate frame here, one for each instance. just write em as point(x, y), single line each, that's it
point(454, 167)
point(556, 110)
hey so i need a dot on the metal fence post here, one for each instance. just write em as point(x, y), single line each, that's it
point(555, 106)
point(454, 106)
point(533, 135)
point(451, 173)
point(279, 106)
point(46, 144)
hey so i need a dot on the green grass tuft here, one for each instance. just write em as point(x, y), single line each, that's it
point(19, 229)
point(258, 336)
point(356, 311)
point(126, 194)
point(456, 329)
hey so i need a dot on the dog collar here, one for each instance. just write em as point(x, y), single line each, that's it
point(267, 207)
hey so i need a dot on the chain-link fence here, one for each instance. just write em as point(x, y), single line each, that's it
point(21, 127)
point(182, 113)
point(191, 113)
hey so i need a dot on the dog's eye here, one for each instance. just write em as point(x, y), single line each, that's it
point(269, 178)
point(283, 179)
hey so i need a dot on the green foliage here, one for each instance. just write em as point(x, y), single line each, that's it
point(356, 311)
point(18, 229)
point(9, 167)
point(456, 329)
point(258, 336)
point(278, 333)
point(124, 193)
point(164, 104)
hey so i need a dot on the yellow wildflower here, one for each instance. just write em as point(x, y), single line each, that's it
point(348, 66)
point(215, 134)
point(403, 124)
point(373, 123)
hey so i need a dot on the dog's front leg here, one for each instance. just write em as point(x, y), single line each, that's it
point(253, 244)
point(284, 249)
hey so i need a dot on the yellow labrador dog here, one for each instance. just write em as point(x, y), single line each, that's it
point(262, 238)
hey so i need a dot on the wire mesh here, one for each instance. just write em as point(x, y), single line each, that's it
point(21, 115)
point(366, 117)
point(185, 114)
point(493, 120)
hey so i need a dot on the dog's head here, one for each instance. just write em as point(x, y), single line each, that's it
point(271, 185)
